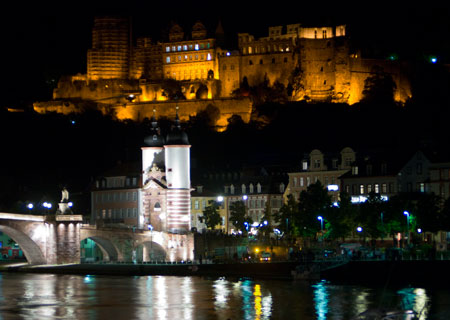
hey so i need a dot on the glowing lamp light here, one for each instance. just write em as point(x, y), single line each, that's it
point(70, 204)
point(333, 187)
point(244, 197)
point(30, 206)
point(419, 230)
point(406, 213)
point(47, 205)
point(359, 229)
point(319, 218)
point(220, 198)
point(433, 59)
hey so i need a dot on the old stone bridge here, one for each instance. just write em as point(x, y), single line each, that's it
point(55, 239)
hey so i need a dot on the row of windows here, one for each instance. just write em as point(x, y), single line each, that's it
point(268, 49)
point(188, 74)
point(366, 189)
point(250, 62)
point(118, 213)
point(189, 47)
point(190, 57)
point(300, 182)
point(116, 182)
point(115, 197)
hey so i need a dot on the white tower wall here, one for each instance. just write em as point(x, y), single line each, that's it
point(177, 166)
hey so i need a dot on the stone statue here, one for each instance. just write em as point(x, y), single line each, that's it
point(65, 195)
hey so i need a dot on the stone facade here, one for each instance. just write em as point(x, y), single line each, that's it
point(315, 62)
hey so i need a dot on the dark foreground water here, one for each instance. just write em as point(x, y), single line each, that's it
point(46, 296)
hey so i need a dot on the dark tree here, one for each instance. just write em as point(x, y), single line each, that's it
point(238, 216)
point(211, 217)
point(379, 87)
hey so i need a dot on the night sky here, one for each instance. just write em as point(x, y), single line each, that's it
point(49, 40)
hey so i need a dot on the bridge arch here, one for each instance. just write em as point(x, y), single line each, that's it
point(109, 250)
point(150, 251)
point(31, 250)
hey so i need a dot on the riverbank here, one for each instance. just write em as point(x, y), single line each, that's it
point(276, 270)
point(414, 272)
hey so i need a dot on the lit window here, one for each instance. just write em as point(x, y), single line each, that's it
point(167, 49)
point(196, 205)
point(173, 48)
point(301, 181)
point(185, 47)
point(196, 46)
point(179, 48)
point(209, 56)
point(361, 189)
point(168, 60)
point(377, 188)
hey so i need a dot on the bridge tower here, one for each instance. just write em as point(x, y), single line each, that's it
point(177, 159)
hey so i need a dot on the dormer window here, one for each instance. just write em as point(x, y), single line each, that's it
point(282, 187)
point(258, 188)
point(232, 189)
point(355, 170)
point(244, 189)
point(199, 189)
point(305, 165)
point(251, 187)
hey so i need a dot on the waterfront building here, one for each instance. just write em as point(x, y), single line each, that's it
point(116, 197)
point(326, 168)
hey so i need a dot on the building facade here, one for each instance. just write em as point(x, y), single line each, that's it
point(326, 168)
point(116, 198)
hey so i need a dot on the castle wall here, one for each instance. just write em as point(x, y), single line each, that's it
point(276, 67)
point(106, 91)
point(360, 69)
point(140, 111)
point(227, 108)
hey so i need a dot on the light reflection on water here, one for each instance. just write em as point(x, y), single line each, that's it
point(39, 296)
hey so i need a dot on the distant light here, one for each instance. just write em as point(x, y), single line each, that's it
point(244, 197)
point(265, 222)
point(406, 213)
point(73, 122)
point(70, 204)
point(433, 59)
point(335, 204)
point(359, 229)
point(419, 230)
point(319, 218)
point(150, 227)
point(228, 54)
point(220, 198)
point(333, 187)
point(255, 224)
point(30, 206)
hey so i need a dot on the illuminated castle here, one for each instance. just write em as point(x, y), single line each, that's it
point(166, 180)
point(132, 80)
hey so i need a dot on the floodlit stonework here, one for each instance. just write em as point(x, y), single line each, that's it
point(315, 62)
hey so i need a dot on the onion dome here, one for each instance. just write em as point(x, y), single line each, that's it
point(154, 139)
point(177, 136)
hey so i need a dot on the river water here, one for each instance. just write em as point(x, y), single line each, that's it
point(48, 296)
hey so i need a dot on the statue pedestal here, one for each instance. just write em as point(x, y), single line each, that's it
point(63, 208)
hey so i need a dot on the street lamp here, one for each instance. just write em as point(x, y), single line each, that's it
point(406, 213)
point(30, 206)
point(321, 222)
point(47, 205)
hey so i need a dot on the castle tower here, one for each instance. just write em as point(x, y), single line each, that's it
point(177, 160)
point(109, 56)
